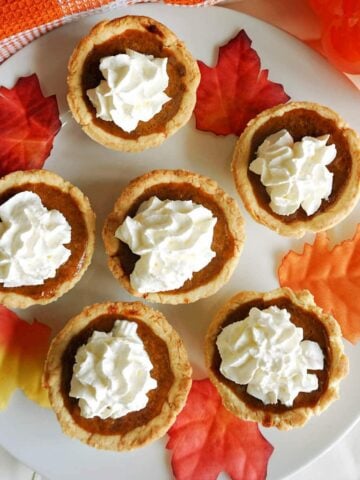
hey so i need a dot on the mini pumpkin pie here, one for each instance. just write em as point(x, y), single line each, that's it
point(276, 358)
point(131, 83)
point(173, 237)
point(117, 376)
point(297, 168)
point(47, 233)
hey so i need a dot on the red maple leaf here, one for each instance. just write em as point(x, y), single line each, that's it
point(206, 440)
point(235, 90)
point(29, 122)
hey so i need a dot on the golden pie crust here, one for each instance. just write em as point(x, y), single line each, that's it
point(318, 326)
point(145, 35)
point(300, 118)
point(228, 238)
point(175, 395)
point(55, 193)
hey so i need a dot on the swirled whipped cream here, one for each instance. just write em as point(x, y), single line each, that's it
point(32, 240)
point(111, 374)
point(133, 89)
point(266, 352)
point(295, 173)
point(173, 239)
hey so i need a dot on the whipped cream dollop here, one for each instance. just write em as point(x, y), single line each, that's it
point(173, 239)
point(133, 89)
point(295, 174)
point(266, 352)
point(111, 374)
point(32, 240)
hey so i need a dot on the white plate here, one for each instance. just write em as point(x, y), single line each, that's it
point(31, 433)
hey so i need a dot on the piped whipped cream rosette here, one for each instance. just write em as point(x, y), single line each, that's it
point(112, 373)
point(133, 89)
point(173, 236)
point(173, 240)
point(276, 358)
point(267, 353)
point(296, 167)
point(295, 174)
point(32, 241)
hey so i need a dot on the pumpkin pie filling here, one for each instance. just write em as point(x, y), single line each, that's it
point(223, 241)
point(158, 352)
point(313, 330)
point(54, 198)
point(149, 43)
point(300, 123)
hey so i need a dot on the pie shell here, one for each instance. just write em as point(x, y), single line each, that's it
point(102, 32)
point(321, 221)
point(135, 188)
point(338, 368)
point(16, 179)
point(177, 395)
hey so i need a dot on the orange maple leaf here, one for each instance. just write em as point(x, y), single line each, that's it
point(332, 276)
point(23, 349)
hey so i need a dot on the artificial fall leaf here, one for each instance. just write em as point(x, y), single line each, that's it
point(235, 90)
point(332, 276)
point(29, 122)
point(23, 349)
point(206, 439)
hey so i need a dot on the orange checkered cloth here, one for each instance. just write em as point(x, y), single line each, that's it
point(21, 21)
